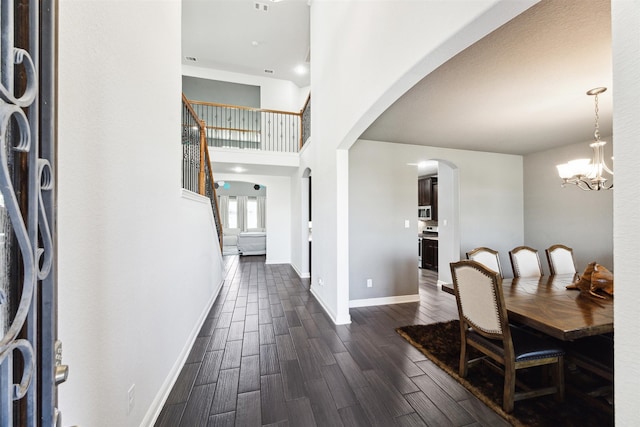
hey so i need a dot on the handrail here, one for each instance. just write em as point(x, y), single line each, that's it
point(240, 107)
point(188, 106)
point(203, 183)
point(210, 191)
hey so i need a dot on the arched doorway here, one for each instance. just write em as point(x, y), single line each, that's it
point(447, 218)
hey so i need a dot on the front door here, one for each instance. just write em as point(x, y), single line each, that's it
point(30, 364)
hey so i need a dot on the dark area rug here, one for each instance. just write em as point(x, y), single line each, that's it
point(440, 342)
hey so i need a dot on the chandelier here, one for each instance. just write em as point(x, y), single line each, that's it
point(587, 173)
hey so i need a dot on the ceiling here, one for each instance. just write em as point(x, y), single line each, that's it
point(519, 90)
point(263, 38)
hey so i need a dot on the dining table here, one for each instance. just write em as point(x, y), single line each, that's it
point(545, 304)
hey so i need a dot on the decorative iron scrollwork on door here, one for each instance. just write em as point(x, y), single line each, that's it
point(25, 236)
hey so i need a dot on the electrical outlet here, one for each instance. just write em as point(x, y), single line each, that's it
point(369, 283)
point(320, 282)
point(407, 223)
point(131, 398)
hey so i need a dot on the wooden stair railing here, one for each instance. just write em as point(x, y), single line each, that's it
point(205, 183)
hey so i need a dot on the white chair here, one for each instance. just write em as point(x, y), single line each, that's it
point(230, 236)
point(561, 260)
point(525, 262)
point(484, 325)
point(487, 257)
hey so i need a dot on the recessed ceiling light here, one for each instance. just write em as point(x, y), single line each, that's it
point(301, 69)
point(254, 43)
point(238, 169)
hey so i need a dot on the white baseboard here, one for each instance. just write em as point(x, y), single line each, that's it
point(338, 320)
point(302, 275)
point(161, 397)
point(271, 261)
point(401, 299)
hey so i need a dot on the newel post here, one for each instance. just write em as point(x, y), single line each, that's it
point(203, 140)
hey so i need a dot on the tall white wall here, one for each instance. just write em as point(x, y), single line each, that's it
point(582, 220)
point(626, 230)
point(355, 76)
point(138, 264)
point(278, 215)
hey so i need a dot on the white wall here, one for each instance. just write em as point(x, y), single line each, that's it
point(384, 193)
point(240, 188)
point(579, 219)
point(275, 94)
point(278, 215)
point(626, 231)
point(138, 264)
point(355, 76)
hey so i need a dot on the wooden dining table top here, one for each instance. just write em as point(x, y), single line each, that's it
point(544, 303)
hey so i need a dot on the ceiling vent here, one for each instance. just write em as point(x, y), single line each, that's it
point(268, 71)
point(190, 58)
point(263, 7)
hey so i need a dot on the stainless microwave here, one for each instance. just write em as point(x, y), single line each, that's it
point(424, 213)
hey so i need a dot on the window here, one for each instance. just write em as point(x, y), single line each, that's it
point(233, 212)
point(252, 212)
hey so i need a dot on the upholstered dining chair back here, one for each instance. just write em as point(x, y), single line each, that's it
point(477, 293)
point(561, 261)
point(525, 262)
point(488, 257)
point(484, 325)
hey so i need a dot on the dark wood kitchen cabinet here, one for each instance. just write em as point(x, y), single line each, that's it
point(430, 254)
point(424, 192)
point(428, 194)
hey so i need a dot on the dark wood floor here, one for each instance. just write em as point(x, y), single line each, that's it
point(268, 355)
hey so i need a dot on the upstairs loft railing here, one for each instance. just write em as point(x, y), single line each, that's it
point(197, 175)
point(305, 116)
point(231, 126)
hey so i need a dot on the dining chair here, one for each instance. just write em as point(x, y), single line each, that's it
point(561, 261)
point(486, 256)
point(484, 325)
point(525, 262)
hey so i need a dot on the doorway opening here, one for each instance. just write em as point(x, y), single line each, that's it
point(438, 221)
point(306, 226)
point(243, 208)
